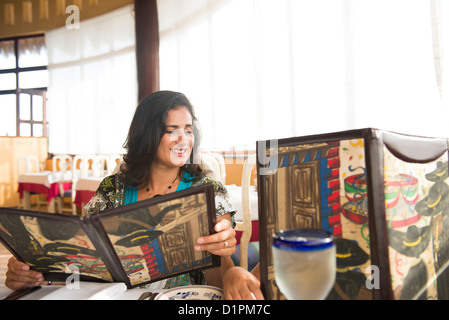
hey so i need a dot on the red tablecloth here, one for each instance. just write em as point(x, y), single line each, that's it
point(85, 189)
point(254, 232)
point(83, 196)
point(51, 192)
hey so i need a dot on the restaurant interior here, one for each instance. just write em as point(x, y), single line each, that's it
point(73, 71)
point(35, 176)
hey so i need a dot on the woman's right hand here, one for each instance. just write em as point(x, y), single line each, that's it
point(20, 276)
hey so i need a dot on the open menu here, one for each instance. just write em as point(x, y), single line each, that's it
point(135, 244)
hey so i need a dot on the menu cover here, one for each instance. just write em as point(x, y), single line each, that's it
point(383, 195)
point(135, 244)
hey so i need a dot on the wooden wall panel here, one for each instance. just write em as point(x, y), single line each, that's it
point(10, 150)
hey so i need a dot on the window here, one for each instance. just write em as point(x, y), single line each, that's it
point(23, 86)
point(260, 70)
point(92, 94)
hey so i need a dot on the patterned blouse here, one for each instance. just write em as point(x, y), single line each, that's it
point(111, 194)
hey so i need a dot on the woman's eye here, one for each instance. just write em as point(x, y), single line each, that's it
point(178, 132)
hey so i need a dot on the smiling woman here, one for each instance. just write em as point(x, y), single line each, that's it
point(178, 139)
point(161, 146)
point(182, 137)
point(164, 136)
point(162, 141)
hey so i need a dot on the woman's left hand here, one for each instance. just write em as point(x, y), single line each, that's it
point(240, 284)
point(221, 243)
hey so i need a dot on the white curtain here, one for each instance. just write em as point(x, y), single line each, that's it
point(92, 92)
point(266, 69)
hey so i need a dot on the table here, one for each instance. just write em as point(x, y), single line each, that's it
point(82, 291)
point(85, 189)
point(44, 182)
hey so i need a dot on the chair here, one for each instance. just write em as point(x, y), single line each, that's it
point(29, 164)
point(64, 163)
point(211, 162)
point(91, 165)
point(85, 167)
point(245, 225)
point(118, 167)
point(222, 165)
point(112, 161)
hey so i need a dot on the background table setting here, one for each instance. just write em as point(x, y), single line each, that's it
point(44, 182)
point(85, 189)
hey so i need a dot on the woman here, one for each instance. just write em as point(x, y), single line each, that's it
point(161, 146)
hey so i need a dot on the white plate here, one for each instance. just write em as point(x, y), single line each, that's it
point(191, 293)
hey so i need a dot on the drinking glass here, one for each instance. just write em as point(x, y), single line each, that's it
point(304, 263)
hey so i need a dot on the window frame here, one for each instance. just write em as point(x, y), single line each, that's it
point(37, 91)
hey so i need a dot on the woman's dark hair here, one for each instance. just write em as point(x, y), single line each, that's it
point(146, 131)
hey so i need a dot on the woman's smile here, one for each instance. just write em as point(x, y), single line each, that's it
point(180, 151)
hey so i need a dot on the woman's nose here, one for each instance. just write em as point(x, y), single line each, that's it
point(179, 135)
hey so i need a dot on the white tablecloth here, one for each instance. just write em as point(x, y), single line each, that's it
point(88, 184)
point(45, 178)
point(81, 291)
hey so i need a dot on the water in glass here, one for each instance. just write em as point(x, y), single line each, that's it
point(304, 263)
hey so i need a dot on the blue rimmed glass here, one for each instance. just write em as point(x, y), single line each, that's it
point(304, 263)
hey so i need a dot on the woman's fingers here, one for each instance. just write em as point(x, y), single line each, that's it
point(240, 284)
point(20, 276)
point(221, 243)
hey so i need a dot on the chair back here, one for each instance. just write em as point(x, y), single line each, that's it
point(245, 225)
point(222, 166)
point(112, 163)
point(62, 162)
point(90, 165)
point(210, 163)
point(27, 164)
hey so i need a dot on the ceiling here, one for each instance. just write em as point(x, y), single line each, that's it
point(23, 17)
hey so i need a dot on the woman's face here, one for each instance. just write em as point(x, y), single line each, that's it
point(177, 142)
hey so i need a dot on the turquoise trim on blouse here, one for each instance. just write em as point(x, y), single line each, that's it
point(186, 181)
point(130, 194)
point(131, 191)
